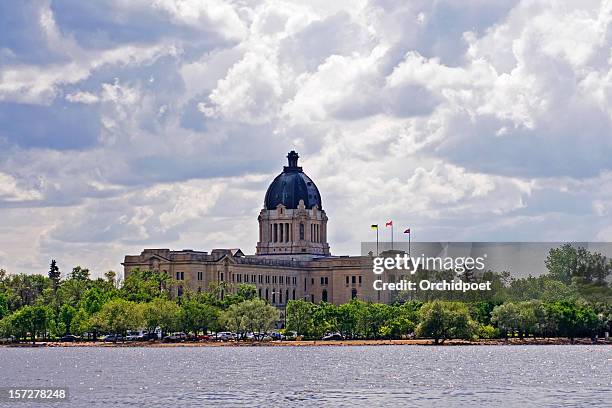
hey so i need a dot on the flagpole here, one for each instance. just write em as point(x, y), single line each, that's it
point(377, 241)
point(409, 234)
point(392, 235)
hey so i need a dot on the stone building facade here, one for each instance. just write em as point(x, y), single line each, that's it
point(292, 259)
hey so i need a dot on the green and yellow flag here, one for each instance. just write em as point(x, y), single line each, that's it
point(374, 226)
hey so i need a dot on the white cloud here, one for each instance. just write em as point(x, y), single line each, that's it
point(251, 90)
point(10, 191)
point(492, 124)
point(82, 97)
point(218, 14)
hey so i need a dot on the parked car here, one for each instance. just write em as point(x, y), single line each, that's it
point(276, 336)
point(70, 338)
point(149, 336)
point(113, 338)
point(333, 336)
point(204, 337)
point(134, 336)
point(290, 335)
point(175, 337)
point(225, 336)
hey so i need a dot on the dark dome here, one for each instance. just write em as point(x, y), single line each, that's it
point(291, 186)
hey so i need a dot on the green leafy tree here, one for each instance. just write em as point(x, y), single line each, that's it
point(324, 319)
point(260, 317)
point(372, 317)
point(111, 277)
point(299, 316)
point(506, 317)
point(573, 319)
point(162, 313)
point(146, 285)
point(234, 319)
point(66, 315)
point(346, 318)
point(119, 315)
point(562, 263)
point(93, 300)
point(196, 316)
point(79, 273)
point(32, 320)
point(443, 320)
point(3, 305)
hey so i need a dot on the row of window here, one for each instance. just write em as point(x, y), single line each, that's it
point(353, 279)
point(283, 232)
point(273, 295)
point(349, 279)
point(249, 278)
point(246, 278)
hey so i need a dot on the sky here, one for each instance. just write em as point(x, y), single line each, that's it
point(131, 124)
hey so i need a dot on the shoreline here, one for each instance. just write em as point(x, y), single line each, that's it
point(322, 343)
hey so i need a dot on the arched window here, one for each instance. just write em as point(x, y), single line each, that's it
point(286, 295)
point(267, 295)
point(293, 294)
point(260, 293)
point(353, 293)
point(273, 295)
point(280, 298)
point(324, 295)
point(301, 230)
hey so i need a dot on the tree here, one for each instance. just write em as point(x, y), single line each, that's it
point(573, 319)
point(562, 263)
point(234, 319)
point(3, 305)
point(79, 273)
point(93, 300)
point(324, 319)
point(66, 315)
point(371, 318)
point(196, 316)
point(144, 286)
point(443, 320)
point(299, 316)
point(119, 315)
point(54, 274)
point(506, 317)
point(71, 291)
point(111, 277)
point(260, 316)
point(402, 320)
point(346, 318)
point(32, 320)
point(255, 316)
point(160, 313)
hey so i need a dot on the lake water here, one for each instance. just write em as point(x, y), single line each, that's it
point(415, 376)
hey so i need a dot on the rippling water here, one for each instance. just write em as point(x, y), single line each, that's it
point(415, 376)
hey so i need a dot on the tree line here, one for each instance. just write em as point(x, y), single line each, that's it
point(572, 300)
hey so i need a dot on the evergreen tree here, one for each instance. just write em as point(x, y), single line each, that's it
point(54, 274)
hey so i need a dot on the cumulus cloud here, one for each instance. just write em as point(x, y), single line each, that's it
point(124, 124)
point(10, 191)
